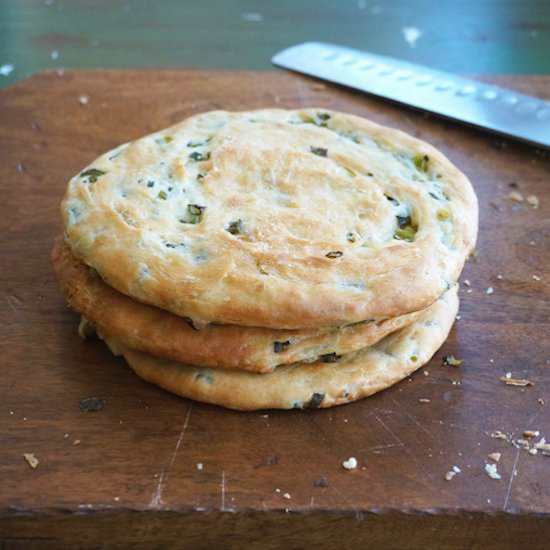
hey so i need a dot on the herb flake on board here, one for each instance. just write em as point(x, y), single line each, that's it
point(92, 404)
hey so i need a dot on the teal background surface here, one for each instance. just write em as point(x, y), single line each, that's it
point(467, 36)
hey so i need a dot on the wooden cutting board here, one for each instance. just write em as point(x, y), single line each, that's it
point(129, 474)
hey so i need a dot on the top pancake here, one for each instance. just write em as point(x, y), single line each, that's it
point(273, 218)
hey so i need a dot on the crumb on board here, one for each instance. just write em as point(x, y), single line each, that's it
point(537, 277)
point(530, 434)
point(467, 282)
point(543, 447)
point(452, 361)
point(515, 196)
point(495, 457)
point(499, 277)
point(76, 442)
point(452, 473)
point(497, 434)
point(533, 201)
point(520, 443)
point(83, 99)
point(287, 496)
point(31, 460)
point(509, 381)
point(350, 463)
point(424, 400)
point(489, 290)
point(199, 466)
point(540, 401)
point(491, 470)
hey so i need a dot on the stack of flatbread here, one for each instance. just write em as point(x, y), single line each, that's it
point(268, 259)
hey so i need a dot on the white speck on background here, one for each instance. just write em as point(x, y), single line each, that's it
point(54, 55)
point(83, 99)
point(252, 17)
point(411, 35)
point(6, 70)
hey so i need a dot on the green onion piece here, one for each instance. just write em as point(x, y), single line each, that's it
point(168, 139)
point(235, 228)
point(319, 151)
point(329, 358)
point(405, 233)
point(279, 347)
point(92, 174)
point(197, 157)
point(395, 202)
point(421, 162)
point(193, 215)
point(162, 195)
point(403, 221)
point(443, 214)
point(315, 401)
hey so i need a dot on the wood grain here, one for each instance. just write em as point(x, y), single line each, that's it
point(133, 478)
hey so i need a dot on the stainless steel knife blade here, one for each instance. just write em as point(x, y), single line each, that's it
point(494, 108)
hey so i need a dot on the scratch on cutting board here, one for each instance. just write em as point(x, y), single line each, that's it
point(14, 301)
point(223, 492)
point(413, 456)
point(390, 431)
point(358, 514)
point(156, 499)
point(378, 448)
point(511, 480)
point(413, 419)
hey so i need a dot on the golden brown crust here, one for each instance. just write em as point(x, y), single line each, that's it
point(163, 334)
point(355, 376)
point(303, 184)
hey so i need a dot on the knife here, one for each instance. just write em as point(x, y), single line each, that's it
point(494, 108)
